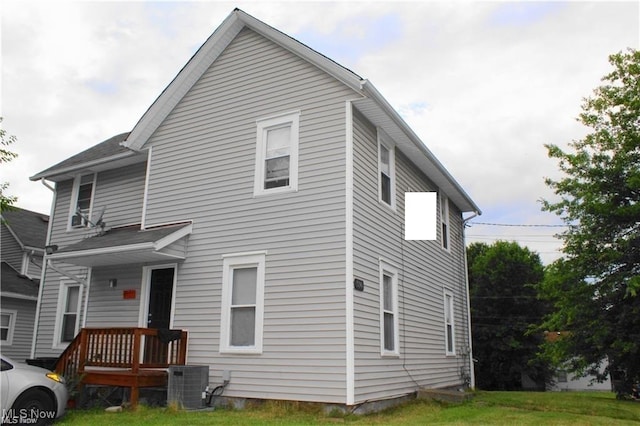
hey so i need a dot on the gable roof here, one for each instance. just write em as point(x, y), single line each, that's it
point(95, 158)
point(209, 52)
point(375, 108)
point(372, 104)
point(16, 285)
point(29, 228)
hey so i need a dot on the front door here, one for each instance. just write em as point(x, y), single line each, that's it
point(159, 312)
point(160, 296)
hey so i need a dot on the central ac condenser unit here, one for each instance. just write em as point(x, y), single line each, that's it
point(186, 385)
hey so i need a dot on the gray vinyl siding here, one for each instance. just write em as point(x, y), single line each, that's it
point(34, 270)
point(202, 169)
point(10, 250)
point(107, 307)
point(12, 253)
point(20, 347)
point(121, 191)
point(424, 269)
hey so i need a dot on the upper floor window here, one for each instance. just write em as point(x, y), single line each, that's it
point(449, 323)
point(277, 154)
point(242, 303)
point(389, 338)
point(444, 221)
point(82, 200)
point(386, 171)
point(7, 324)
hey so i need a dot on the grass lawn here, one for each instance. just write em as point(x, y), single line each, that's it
point(486, 408)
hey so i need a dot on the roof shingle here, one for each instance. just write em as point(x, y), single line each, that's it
point(104, 149)
point(30, 227)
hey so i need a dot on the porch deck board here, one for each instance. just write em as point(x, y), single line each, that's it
point(125, 378)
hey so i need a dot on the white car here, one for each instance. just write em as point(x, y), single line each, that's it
point(30, 395)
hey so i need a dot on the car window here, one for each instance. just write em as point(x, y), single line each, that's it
point(5, 365)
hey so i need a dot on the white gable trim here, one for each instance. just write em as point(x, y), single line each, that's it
point(207, 54)
point(182, 82)
point(377, 110)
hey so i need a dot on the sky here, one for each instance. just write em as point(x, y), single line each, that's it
point(485, 85)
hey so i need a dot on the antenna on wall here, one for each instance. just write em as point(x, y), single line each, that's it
point(96, 223)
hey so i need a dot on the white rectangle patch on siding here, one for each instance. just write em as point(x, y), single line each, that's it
point(420, 215)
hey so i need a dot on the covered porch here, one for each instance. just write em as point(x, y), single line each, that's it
point(123, 308)
point(125, 357)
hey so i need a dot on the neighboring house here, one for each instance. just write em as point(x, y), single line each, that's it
point(23, 236)
point(567, 381)
point(259, 204)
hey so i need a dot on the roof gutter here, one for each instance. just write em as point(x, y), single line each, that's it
point(369, 90)
point(19, 296)
point(77, 167)
point(102, 251)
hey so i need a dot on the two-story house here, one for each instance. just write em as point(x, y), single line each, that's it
point(259, 205)
point(23, 235)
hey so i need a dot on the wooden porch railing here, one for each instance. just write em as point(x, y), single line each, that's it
point(122, 357)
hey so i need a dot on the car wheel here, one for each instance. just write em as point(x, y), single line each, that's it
point(34, 407)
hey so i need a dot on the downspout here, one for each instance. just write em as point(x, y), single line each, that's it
point(349, 297)
point(43, 273)
point(69, 275)
point(472, 373)
point(85, 282)
point(51, 188)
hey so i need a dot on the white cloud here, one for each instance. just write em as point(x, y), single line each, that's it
point(484, 84)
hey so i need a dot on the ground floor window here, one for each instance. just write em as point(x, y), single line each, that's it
point(449, 323)
point(389, 340)
point(68, 313)
point(562, 376)
point(241, 323)
point(7, 324)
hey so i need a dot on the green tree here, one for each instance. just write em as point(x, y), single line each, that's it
point(594, 288)
point(5, 156)
point(503, 280)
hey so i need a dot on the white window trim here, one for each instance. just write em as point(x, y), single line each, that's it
point(74, 199)
point(62, 298)
point(386, 269)
point(444, 219)
point(253, 259)
point(451, 307)
point(145, 289)
point(263, 125)
point(385, 141)
point(13, 315)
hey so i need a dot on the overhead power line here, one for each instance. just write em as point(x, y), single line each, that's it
point(518, 225)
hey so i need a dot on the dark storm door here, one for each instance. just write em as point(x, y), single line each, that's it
point(160, 296)
point(159, 314)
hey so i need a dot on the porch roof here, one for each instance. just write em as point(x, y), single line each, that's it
point(127, 245)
